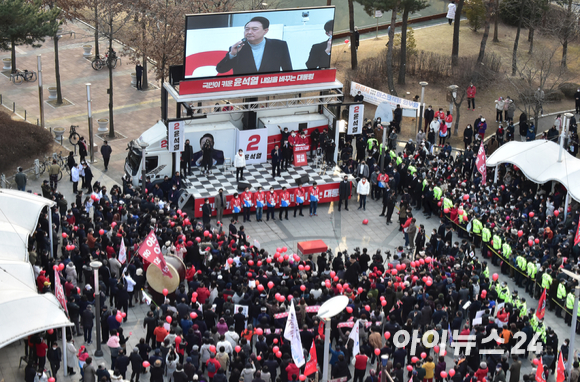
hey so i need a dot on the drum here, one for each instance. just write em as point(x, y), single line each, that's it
point(157, 281)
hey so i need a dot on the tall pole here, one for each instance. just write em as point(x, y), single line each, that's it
point(496, 174)
point(383, 149)
point(50, 232)
point(566, 204)
point(96, 265)
point(422, 106)
point(90, 120)
point(40, 89)
point(64, 360)
point(326, 349)
point(573, 331)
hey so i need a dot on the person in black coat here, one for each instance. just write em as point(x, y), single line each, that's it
point(88, 179)
point(344, 191)
point(207, 156)
point(320, 53)
point(206, 213)
point(429, 114)
point(186, 157)
point(240, 57)
point(122, 363)
point(276, 156)
point(136, 364)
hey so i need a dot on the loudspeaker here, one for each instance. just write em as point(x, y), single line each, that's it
point(304, 179)
point(242, 185)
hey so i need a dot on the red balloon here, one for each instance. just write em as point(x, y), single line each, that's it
point(275, 340)
point(296, 257)
point(165, 292)
point(537, 241)
point(286, 257)
point(259, 331)
point(531, 214)
point(259, 358)
point(259, 263)
point(60, 266)
point(260, 288)
point(348, 309)
point(198, 239)
point(460, 212)
point(398, 267)
point(146, 364)
point(366, 221)
point(332, 274)
point(413, 264)
point(421, 261)
point(51, 379)
point(279, 354)
point(367, 308)
point(230, 261)
point(64, 235)
point(251, 263)
point(238, 348)
point(495, 276)
point(302, 377)
point(446, 210)
point(168, 319)
point(536, 361)
point(429, 282)
point(123, 314)
point(414, 360)
point(359, 290)
point(275, 349)
point(428, 259)
point(520, 234)
point(465, 218)
point(119, 318)
point(387, 335)
point(101, 232)
point(466, 197)
point(423, 355)
point(50, 331)
point(452, 372)
point(335, 278)
point(193, 315)
point(302, 288)
point(270, 284)
point(206, 233)
point(443, 374)
point(212, 348)
point(409, 367)
point(307, 267)
point(301, 267)
point(384, 302)
point(436, 348)
point(290, 297)
point(439, 204)
point(377, 351)
point(530, 242)
point(556, 213)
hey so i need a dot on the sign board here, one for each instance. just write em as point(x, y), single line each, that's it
point(378, 14)
point(377, 97)
point(254, 143)
point(257, 81)
point(300, 158)
point(176, 136)
point(355, 119)
point(220, 44)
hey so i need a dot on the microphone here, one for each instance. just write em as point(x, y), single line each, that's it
point(244, 40)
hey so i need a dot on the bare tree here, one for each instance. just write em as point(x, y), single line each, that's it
point(517, 40)
point(353, 36)
point(489, 13)
point(409, 6)
point(496, 22)
point(456, 25)
point(390, 72)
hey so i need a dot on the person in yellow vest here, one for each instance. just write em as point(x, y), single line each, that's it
point(532, 269)
point(476, 228)
point(496, 245)
point(546, 283)
point(485, 270)
point(485, 239)
point(520, 272)
point(560, 298)
point(570, 297)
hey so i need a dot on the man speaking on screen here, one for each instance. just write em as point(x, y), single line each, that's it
point(256, 53)
point(320, 53)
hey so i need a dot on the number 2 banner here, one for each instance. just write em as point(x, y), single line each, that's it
point(254, 143)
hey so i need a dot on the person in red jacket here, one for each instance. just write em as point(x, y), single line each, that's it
point(216, 367)
point(471, 90)
point(247, 203)
point(481, 373)
point(439, 114)
point(260, 202)
point(236, 206)
point(202, 293)
point(271, 201)
point(293, 371)
point(284, 203)
point(360, 367)
point(298, 200)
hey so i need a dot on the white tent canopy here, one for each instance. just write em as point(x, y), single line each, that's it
point(24, 310)
point(538, 160)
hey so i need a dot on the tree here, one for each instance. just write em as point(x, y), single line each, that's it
point(567, 28)
point(353, 37)
point(489, 13)
point(409, 6)
point(510, 11)
point(456, 25)
point(496, 22)
point(25, 23)
point(476, 13)
point(112, 16)
point(517, 40)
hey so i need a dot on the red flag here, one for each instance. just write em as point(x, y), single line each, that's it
point(58, 291)
point(560, 369)
point(150, 251)
point(540, 371)
point(321, 329)
point(480, 163)
point(312, 364)
point(577, 237)
point(541, 306)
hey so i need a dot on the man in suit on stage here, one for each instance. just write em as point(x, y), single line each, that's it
point(257, 54)
point(320, 53)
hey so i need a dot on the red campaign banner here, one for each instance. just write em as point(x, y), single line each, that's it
point(326, 193)
point(300, 159)
point(480, 163)
point(150, 251)
point(301, 148)
point(541, 306)
point(577, 237)
point(257, 81)
point(58, 291)
point(312, 364)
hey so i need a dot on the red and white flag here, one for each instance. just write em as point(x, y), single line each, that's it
point(58, 291)
point(122, 252)
point(541, 306)
point(150, 251)
point(577, 237)
point(480, 163)
point(540, 372)
point(312, 364)
point(560, 369)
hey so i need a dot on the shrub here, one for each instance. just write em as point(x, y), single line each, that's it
point(509, 11)
point(475, 12)
point(569, 89)
point(411, 42)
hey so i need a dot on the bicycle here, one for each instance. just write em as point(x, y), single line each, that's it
point(74, 137)
point(100, 62)
point(24, 76)
point(62, 162)
point(46, 163)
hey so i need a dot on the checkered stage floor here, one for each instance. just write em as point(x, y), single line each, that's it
point(203, 186)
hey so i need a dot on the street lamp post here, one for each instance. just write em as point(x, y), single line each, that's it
point(574, 320)
point(144, 146)
point(90, 122)
point(422, 106)
point(328, 310)
point(95, 265)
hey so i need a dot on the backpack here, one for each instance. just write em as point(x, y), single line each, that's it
point(211, 367)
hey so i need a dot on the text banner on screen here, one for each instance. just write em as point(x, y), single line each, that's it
point(254, 143)
point(176, 136)
point(256, 81)
point(355, 119)
point(377, 97)
point(269, 41)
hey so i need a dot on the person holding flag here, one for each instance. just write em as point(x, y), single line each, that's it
point(480, 163)
point(292, 334)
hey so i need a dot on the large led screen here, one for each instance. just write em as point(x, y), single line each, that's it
point(223, 44)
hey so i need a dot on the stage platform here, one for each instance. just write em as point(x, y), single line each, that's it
point(207, 186)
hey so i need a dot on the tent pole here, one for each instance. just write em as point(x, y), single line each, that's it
point(65, 369)
point(566, 204)
point(495, 176)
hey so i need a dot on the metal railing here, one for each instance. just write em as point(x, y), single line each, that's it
point(17, 110)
